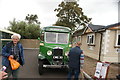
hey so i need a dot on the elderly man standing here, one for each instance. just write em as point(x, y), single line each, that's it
point(76, 56)
point(13, 50)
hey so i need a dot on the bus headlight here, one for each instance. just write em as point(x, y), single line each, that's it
point(70, 45)
point(41, 44)
point(49, 52)
point(66, 53)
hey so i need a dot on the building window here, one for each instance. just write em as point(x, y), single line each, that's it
point(74, 40)
point(79, 38)
point(90, 39)
point(118, 40)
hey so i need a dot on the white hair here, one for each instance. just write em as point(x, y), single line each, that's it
point(18, 35)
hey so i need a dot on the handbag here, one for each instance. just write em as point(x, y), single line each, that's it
point(14, 64)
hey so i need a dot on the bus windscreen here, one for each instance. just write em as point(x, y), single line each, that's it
point(58, 38)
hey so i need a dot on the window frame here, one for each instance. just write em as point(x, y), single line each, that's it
point(118, 37)
point(79, 38)
point(91, 39)
point(56, 38)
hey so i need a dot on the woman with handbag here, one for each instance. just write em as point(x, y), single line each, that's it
point(13, 50)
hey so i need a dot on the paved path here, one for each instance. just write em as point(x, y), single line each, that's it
point(30, 69)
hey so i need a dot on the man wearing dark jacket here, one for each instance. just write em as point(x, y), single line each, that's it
point(74, 61)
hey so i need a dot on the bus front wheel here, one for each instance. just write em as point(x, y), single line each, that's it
point(40, 67)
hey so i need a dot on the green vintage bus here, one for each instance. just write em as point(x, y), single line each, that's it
point(54, 47)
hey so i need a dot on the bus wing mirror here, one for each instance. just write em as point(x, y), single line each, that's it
point(38, 38)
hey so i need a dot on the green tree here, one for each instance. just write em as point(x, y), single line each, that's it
point(33, 31)
point(18, 27)
point(71, 15)
point(32, 19)
point(27, 31)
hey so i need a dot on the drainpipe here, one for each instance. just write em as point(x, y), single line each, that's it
point(100, 46)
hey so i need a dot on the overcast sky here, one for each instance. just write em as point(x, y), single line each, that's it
point(102, 12)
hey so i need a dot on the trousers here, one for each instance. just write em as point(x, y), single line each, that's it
point(10, 72)
point(73, 72)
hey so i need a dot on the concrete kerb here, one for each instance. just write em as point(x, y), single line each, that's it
point(31, 48)
point(86, 76)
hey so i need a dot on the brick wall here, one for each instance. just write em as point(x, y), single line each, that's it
point(30, 43)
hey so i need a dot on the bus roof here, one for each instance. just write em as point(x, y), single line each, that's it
point(7, 31)
point(57, 29)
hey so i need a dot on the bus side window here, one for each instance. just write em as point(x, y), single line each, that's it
point(42, 37)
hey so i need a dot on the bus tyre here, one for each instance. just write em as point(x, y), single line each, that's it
point(67, 69)
point(40, 67)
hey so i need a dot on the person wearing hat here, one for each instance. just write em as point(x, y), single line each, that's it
point(13, 50)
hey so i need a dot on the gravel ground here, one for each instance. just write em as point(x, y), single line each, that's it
point(90, 66)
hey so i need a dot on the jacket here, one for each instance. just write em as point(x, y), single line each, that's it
point(74, 57)
point(6, 52)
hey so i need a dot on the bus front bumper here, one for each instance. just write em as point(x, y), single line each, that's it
point(55, 66)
